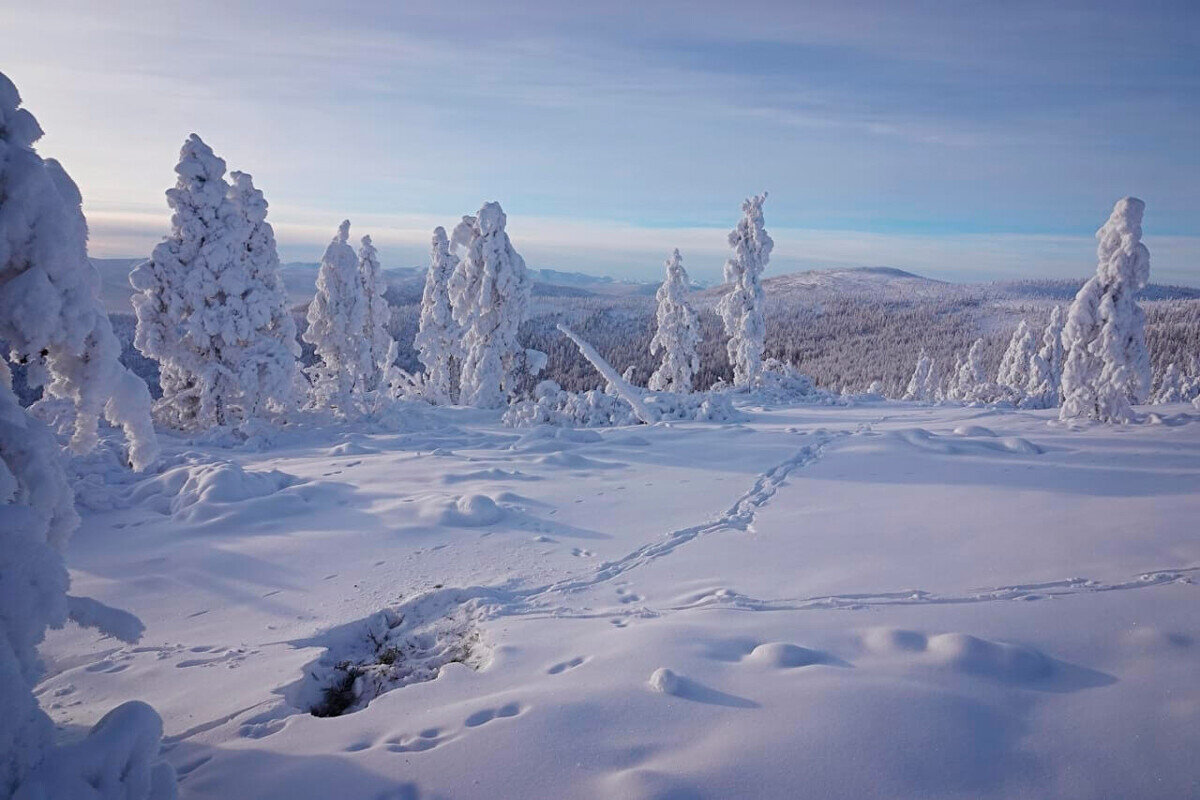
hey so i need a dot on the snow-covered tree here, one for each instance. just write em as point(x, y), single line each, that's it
point(970, 383)
point(489, 293)
point(1014, 367)
point(51, 318)
point(376, 337)
point(923, 385)
point(337, 319)
point(437, 335)
point(209, 304)
point(1107, 364)
point(678, 332)
point(268, 371)
point(1170, 386)
point(52, 322)
point(1044, 387)
point(741, 308)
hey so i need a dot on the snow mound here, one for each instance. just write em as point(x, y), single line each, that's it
point(973, 430)
point(665, 681)
point(962, 652)
point(461, 511)
point(963, 444)
point(118, 760)
point(490, 474)
point(393, 648)
point(782, 655)
point(351, 448)
point(203, 492)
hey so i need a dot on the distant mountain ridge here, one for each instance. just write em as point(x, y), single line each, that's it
point(405, 285)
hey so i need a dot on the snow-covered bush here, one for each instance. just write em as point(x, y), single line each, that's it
point(923, 385)
point(489, 293)
point(741, 308)
point(551, 405)
point(1044, 389)
point(437, 335)
point(51, 318)
point(1107, 364)
point(677, 333)
point(336, 323)
point(1014, 367)
point(209, 302)
point(376, 339)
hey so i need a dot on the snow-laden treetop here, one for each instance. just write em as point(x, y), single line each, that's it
point(1122, 256)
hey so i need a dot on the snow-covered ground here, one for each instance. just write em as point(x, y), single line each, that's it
point(882, 600)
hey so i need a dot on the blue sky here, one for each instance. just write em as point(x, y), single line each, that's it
point(965, 140)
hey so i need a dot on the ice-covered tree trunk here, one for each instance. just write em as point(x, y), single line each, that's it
point(203, 312)
point(377, 338)
point(336, 322)
point(741, 308)
point(1107, 364)
point(1014, 367)
point(437, 335)
point(51, 317)
point(678, 332)
point(489, 294)
point(268, 370)
point(923, 385)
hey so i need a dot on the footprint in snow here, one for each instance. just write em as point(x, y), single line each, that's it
point(563, 666)
point(488, 714)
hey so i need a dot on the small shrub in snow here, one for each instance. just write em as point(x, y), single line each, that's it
point(489, 293)
point(50, 312)
point(741, 308)
point(677, 334)
point(337, 319)
point(1107, 364)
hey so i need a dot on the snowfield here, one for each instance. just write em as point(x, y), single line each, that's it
point(876, 600)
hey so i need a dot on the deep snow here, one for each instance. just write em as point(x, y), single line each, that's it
point(880, 600)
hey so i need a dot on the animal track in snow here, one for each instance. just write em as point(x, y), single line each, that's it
point(488, 714)
point(563, 666)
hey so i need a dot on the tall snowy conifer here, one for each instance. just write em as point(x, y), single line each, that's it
point(489, 293)
point(741, 308)
point(1044, 389)
point(377, 339)
point(677, 334)
point(208, 300)
point(1107, 364)
point(53, 323)
point(1014, 367)
point(923, 384)
point(437, 335)
point(268, 370)
point(337, 318)
point(50, 314)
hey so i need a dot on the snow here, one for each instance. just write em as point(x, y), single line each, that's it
point(795, 604)
point(741, 307)
point(677, 333)
point(337, 327)
point(436, 341)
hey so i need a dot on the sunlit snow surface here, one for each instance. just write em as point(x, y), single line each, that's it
point(885, 600)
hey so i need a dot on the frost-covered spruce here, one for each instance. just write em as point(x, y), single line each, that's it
point(678, 332)
point(437, 334)
point(741, 308)
point(923, 385)
point(1044, 387)
point(1014, 367)
point(489, 293)
point(1170, 386)
point(376, 337)
point(208, 302)
point(336, 321)
point(50, 314)
point(1107, 364)
point(970, 382)
point(268, 368)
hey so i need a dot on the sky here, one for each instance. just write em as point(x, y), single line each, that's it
point(960, 140)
